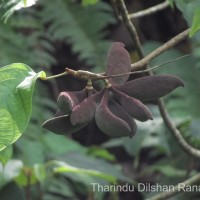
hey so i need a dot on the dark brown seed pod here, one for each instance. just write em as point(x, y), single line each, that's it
point(68, 100)
point(109, 123)
point(118, 62)
point(65, 102)
point(133, 106)
point(61, 125)
point(150, 87)
point(117, 110)
point(85, 111)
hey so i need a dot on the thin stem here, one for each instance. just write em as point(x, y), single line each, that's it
point(177, 189)
point(54, 76)
point(39, 188)
point(150, 10)
point(148, 69)
point(28, 189)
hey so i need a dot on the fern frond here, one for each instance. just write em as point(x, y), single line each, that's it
point(80, 26)
point(24, 39)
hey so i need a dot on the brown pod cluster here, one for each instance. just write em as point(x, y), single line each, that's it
point(115, 118)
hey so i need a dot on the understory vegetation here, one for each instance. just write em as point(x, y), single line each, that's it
point(51, 36)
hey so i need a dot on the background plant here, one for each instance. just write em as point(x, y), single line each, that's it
point(50, 35)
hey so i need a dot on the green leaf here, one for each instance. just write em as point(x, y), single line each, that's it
point(11, 170)
point(96, 151)
point(83, 161)
point(11, 6)
point(171, 3)
point(25, 1)
point(195, 23)
point(89, 2)
point(65, 168)
point(6, 155)
point(27, 147)
point(187, 10)
point(40, 172)
point(66, 145)
point(60, 187)
point(26, 177)
point(187, 1)
point(169, 170)
point(17, 82)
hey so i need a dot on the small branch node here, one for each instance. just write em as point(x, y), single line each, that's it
point(107, 83)
point(71, 72)
point(89, 85)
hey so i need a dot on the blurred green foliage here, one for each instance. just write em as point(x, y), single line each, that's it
point(52, 167)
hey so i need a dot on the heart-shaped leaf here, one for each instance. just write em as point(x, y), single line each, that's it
point(17, 82)
point(150, 87)
point(118, 62)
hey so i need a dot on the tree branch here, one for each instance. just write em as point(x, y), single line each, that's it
point(168, 194)
point(168, 45)
point(142, 63)
point(150, 10)
point(176, 133)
